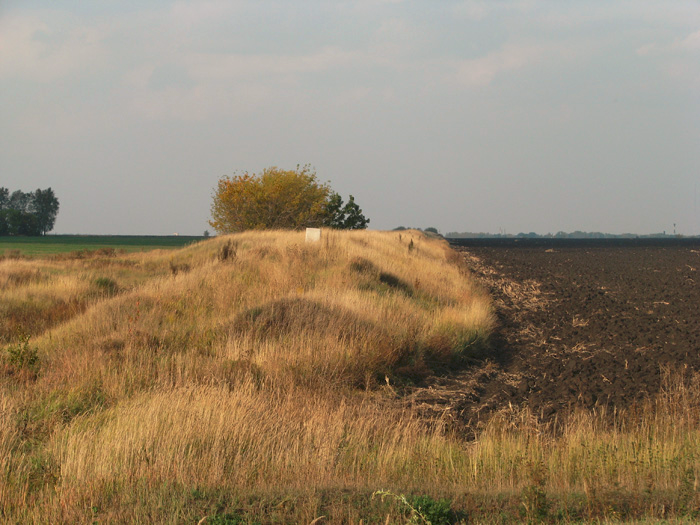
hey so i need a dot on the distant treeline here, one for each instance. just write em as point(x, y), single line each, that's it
point(32, 213)
point(558, 235)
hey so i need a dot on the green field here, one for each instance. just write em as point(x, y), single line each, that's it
point(55, 244)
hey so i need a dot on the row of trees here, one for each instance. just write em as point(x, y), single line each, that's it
point(281, 199)
point(32, 213)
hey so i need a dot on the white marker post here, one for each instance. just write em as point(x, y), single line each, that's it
point(313, 234)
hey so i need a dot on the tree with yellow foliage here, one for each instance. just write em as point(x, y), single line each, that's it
point(279, 199)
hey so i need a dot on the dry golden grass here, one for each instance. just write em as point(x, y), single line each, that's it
point(245, 370)
point(653, 446)
point(38, 294)
point(295, 312)
point(273, 338)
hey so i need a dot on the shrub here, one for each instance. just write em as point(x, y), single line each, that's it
point(176, 268)
point(20, 355)
point(281, 199)
point(106, 285)
point(422, 509)
point(229, 251)
point(433, 511)
point(273, 199)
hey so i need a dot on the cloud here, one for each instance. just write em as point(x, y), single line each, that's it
point(36, 50)
point(472, 9)
point(687, 44)
point(224, 84)
point(482, 71)
point(210, 66)
point(193, 13)
point(678, 59)
point(480, 9)
point(647, 49)
point(690, 43)
point(394, 42)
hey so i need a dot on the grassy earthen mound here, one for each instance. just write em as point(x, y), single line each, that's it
point(242, 363)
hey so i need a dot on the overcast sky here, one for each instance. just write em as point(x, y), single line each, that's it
point(493, 115)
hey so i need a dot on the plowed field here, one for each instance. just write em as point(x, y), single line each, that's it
point(580, 324)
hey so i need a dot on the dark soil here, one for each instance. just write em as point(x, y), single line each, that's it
point(580, 324)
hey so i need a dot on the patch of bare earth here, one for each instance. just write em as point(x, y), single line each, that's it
point(579, 326)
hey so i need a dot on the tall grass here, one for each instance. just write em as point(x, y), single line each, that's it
point(247, 375)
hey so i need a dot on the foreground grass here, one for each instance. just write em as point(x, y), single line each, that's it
point(248, 379)
point(64, 244)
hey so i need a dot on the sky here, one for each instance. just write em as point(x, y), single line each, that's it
point(484, 116)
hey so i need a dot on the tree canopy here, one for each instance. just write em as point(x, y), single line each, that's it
point(344, 217)
point(32, 213)
point(281, 199)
